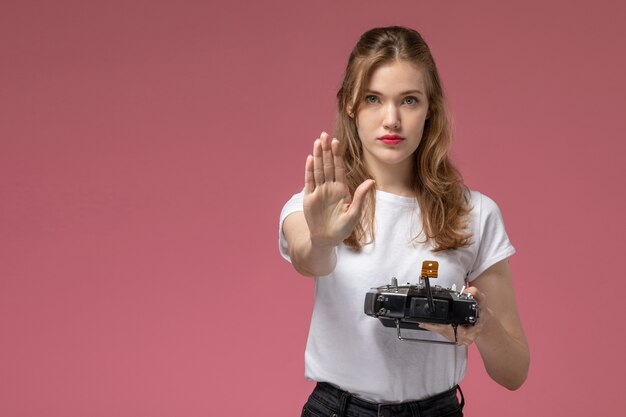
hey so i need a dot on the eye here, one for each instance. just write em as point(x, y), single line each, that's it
point(411, 101)
point(371, 99)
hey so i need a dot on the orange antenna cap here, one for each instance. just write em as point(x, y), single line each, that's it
point(430, 269)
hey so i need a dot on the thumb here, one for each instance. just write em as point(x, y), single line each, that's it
point(359, 197)
point(478, 296)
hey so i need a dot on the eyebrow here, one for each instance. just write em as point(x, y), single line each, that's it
point(404, 93)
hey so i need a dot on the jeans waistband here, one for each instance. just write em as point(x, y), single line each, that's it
point(349, 404)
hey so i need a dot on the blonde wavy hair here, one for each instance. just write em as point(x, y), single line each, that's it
point(438, 186)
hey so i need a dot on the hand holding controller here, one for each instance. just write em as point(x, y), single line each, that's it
point(424, 308)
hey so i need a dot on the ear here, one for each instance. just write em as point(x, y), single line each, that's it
point(349, 111)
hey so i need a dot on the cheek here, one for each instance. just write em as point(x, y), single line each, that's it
point(362, 134)
point(363, 126)
point(419, 122)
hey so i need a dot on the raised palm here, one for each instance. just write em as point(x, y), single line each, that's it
point(330, 211)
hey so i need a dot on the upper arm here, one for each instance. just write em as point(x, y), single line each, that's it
point(496, 284)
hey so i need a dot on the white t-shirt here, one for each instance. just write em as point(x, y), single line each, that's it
point(356, 352)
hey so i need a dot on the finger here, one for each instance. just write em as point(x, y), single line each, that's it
point(464, 341)
point(327, 156)
point(470, 290)
point(477, 295)
point(356, 207)
point(318, 168)
point(438, 328)
point(309, 179)
point(340, 170)
point(441, 329)
point(466, 335)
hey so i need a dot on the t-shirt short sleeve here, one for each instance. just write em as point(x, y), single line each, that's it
point(294, 204)
point(493, 242)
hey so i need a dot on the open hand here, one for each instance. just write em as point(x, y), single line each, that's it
point(330, 211)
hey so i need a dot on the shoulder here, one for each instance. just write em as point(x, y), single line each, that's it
point(481, 205)
point(490, 239)
point(482, 208)
point(485, 217)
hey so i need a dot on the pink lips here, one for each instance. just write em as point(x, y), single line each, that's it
point(391, 139)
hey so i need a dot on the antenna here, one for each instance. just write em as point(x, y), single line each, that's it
point(430, 269)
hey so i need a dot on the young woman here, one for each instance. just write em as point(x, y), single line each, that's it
point(378, 200)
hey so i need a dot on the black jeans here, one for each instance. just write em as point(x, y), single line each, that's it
point(329, 401)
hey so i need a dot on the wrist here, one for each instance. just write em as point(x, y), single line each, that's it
point(487, 322)
point(321, 244)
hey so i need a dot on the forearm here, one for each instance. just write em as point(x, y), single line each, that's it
point(506, 358)
point(312, 260)
point(329, 213)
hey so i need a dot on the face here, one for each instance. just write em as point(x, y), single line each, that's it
point(390, 121)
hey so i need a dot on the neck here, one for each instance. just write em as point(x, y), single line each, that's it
point(395, 179)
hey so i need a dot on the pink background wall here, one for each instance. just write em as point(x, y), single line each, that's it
point(146, 150)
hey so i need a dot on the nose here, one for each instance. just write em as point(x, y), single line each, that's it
point(392, 117)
